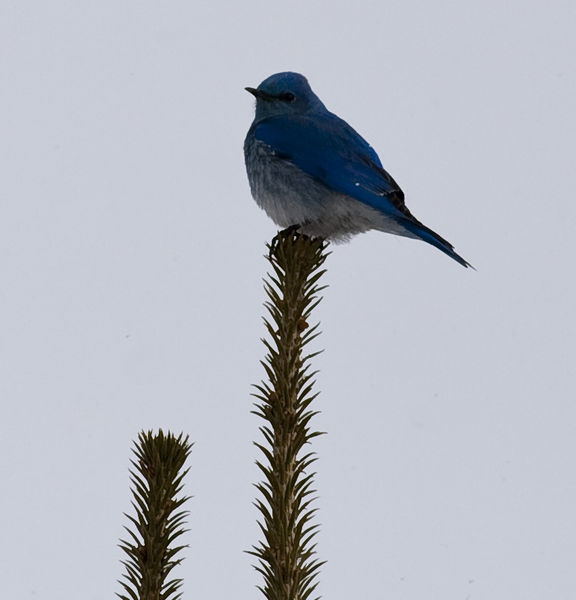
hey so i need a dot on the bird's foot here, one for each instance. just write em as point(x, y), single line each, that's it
point(289, 231)
point(294, 233)
point(282, 235)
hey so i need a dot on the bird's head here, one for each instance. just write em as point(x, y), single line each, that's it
point(284, 94)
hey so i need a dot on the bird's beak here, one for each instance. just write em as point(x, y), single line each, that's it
point(258, 94)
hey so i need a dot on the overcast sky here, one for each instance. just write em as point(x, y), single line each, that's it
point(131, 259)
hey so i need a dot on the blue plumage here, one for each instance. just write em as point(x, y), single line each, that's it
point(308, 167)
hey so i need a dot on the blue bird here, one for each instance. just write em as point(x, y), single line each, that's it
point(309, 169)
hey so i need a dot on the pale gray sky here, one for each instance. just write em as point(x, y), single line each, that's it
point(131, 258)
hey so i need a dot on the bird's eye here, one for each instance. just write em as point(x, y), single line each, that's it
point(288, 97)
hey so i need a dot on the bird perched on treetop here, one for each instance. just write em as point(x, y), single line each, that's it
point(308, 168)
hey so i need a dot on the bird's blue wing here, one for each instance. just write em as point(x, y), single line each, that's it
point(328, 149)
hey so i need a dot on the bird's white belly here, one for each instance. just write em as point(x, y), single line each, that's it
point(291, 197)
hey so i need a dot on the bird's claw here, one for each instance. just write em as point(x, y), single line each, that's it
point(285, 233)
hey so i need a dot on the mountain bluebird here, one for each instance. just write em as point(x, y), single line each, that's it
point(309, 169)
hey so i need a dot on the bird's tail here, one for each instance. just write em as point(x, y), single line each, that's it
point(427, 235)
